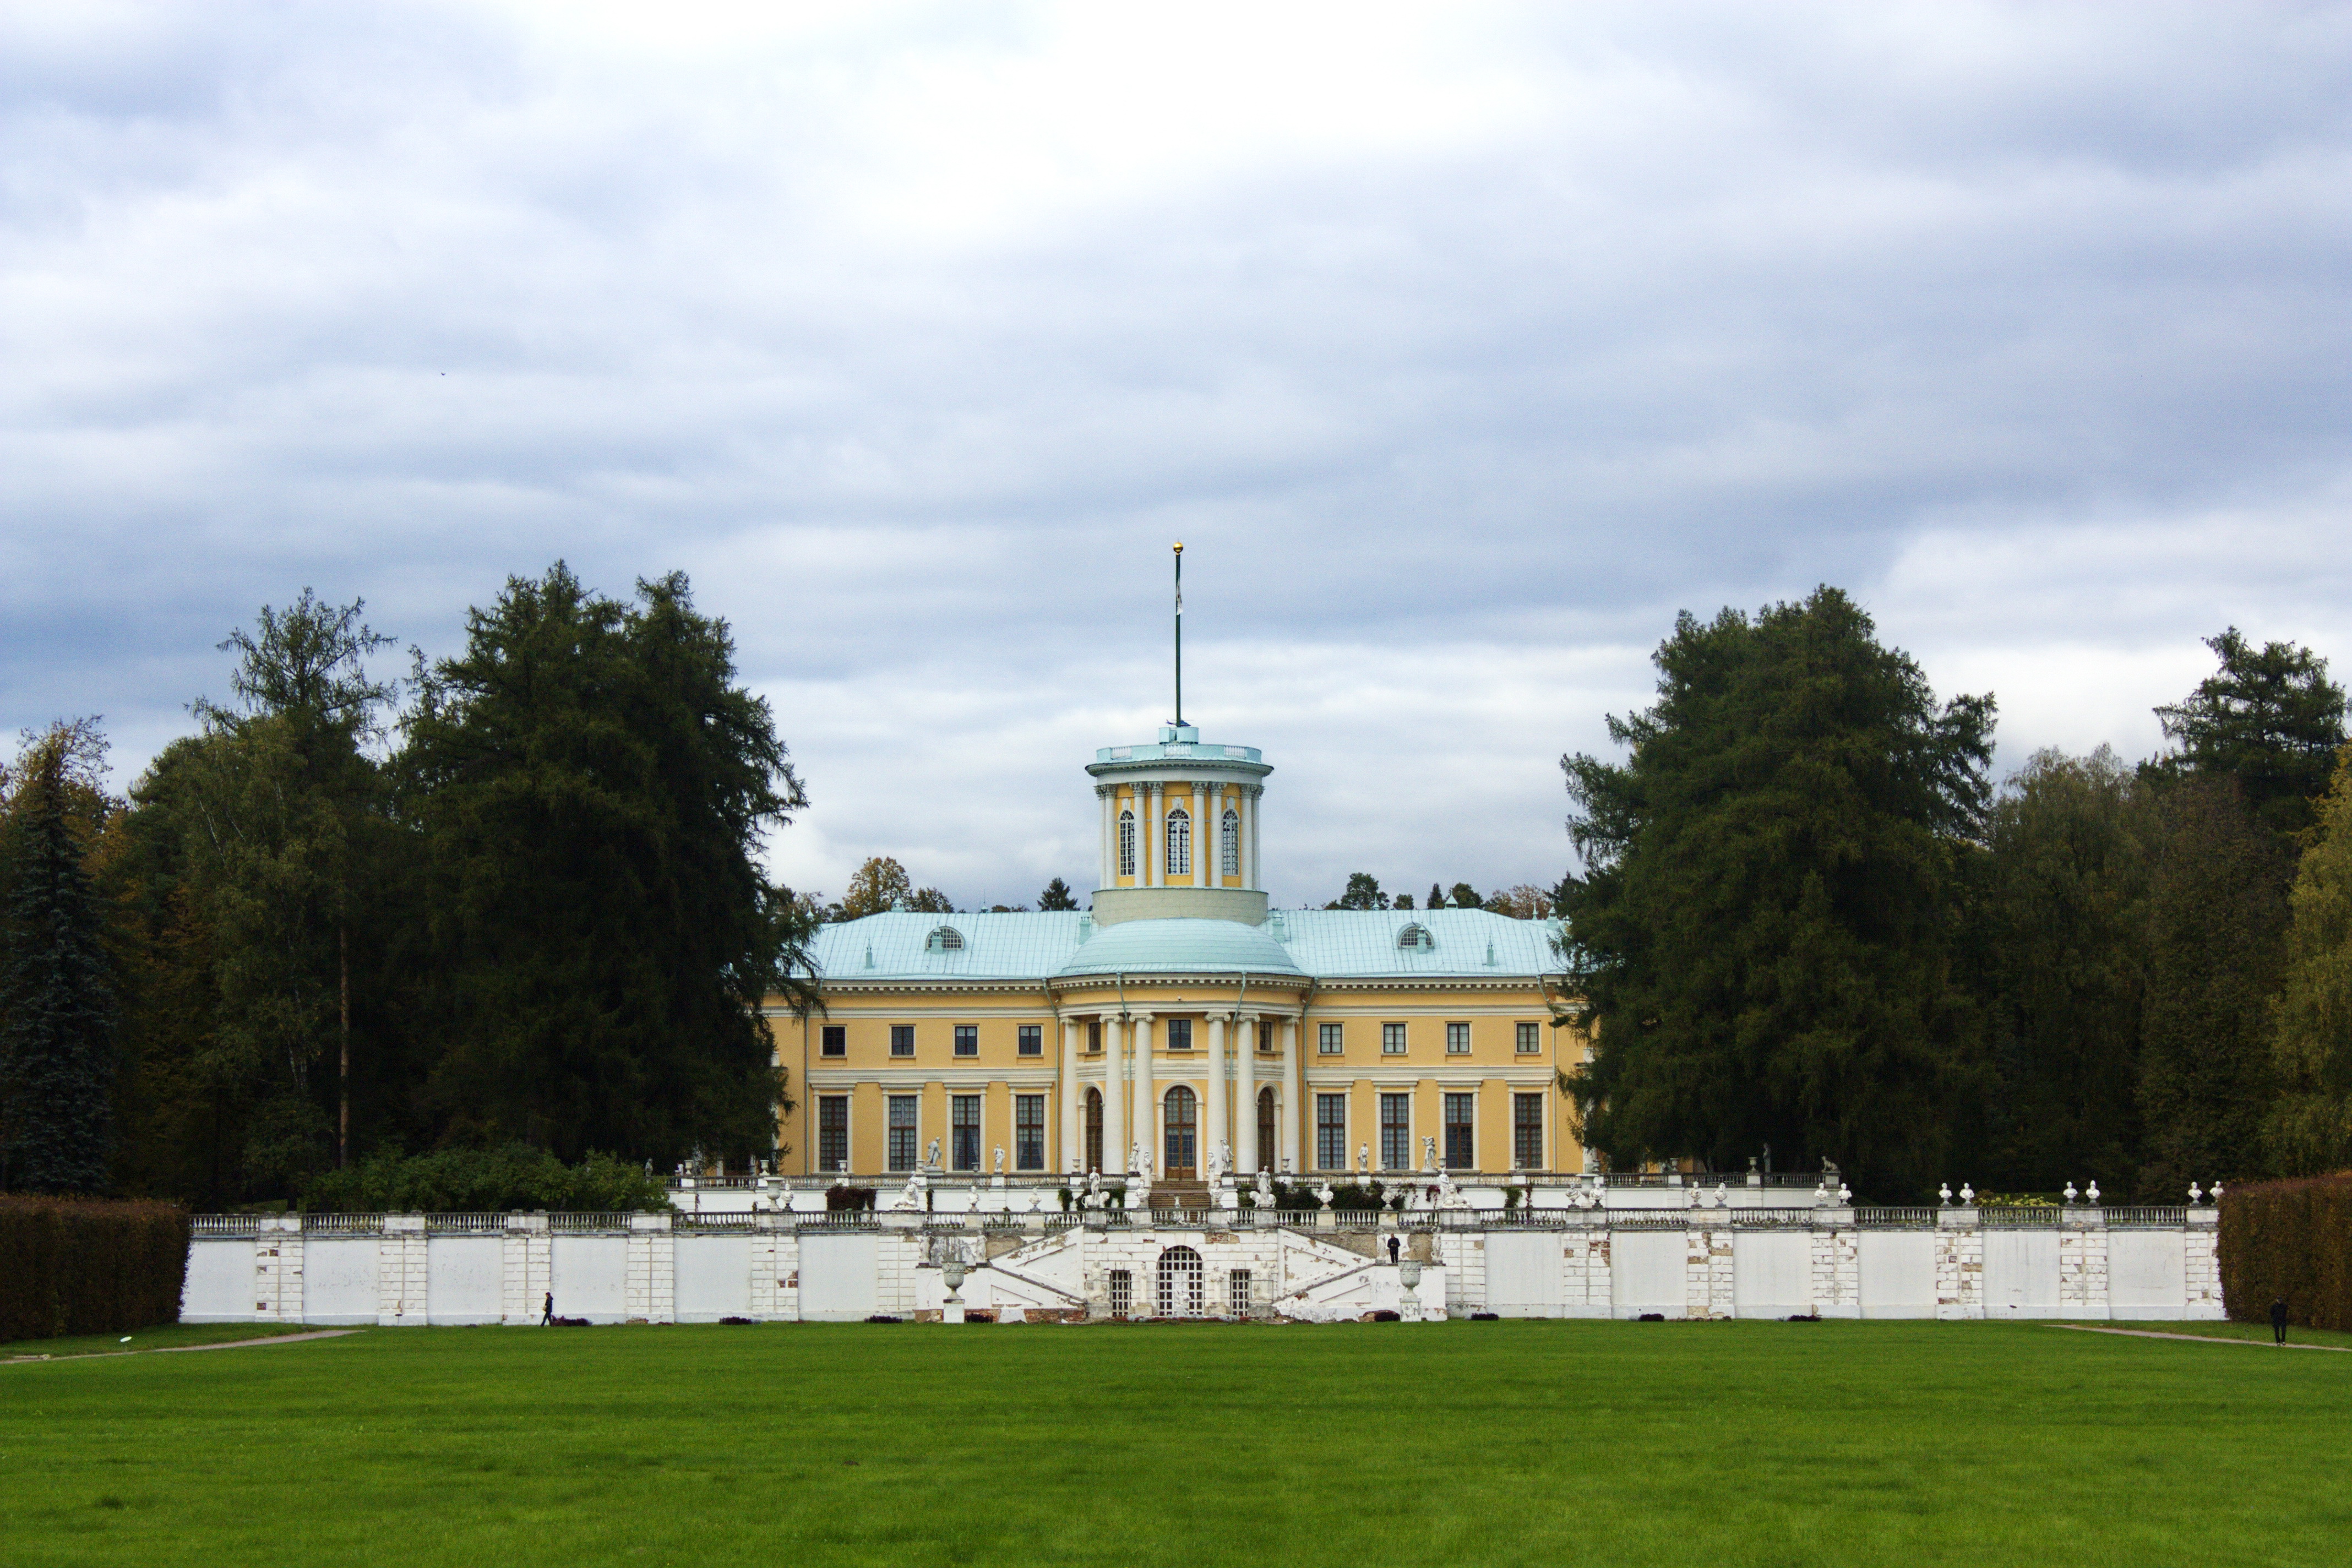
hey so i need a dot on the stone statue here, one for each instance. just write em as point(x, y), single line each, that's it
point(932, 1157)
point(1428, 1153)
point(1265, 1189)
point(999, 1159)
point(1363, 1158)
point(1215, 1170)
point(1449, 1196)
point(1135, 1156)
point(1224, 1158)
point(1323, 1195)
point(910, 1197)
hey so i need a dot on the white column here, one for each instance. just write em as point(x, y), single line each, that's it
point(1113, 1093)
point(1109, 846)
point(1293, 1109)
point(1073, 1120)
point(1202, 836)
point(1245, 1152)
point(1215, 1130)
point(1250, 801)
point(1146, 1118)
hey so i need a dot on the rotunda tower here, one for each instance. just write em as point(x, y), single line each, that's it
point(1180, 830)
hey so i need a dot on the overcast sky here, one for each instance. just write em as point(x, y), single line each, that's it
point(1461, 346)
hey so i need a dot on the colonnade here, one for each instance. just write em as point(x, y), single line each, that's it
point(1208, 801)
point(1128, 1076)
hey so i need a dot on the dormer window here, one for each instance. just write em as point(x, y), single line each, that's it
point(1415, 939)
point(947, 939)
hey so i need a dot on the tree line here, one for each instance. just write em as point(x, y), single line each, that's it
point(1810, 925)
point(513, 898)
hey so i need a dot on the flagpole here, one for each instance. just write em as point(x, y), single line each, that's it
point(1180, 634)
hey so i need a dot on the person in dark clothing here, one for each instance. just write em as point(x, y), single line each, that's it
point(547, 1313)
point(1393, 1249)
point(2278, 1320)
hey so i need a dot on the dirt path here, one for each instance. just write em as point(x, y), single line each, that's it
point(2193, 1339)
point(177, 1350)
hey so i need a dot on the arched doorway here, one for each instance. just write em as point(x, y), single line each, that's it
point(1267, 1160)
point(1092, 1155)
point(1179, 1283)
point(1183, 1161)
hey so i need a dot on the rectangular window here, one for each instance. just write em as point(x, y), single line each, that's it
point(1179, 1034)
point(1266, 1035)
point(1028, 1132)
point(1461, 1151)
point(1396, 1131)
point(1237, 1293)
point(1032, 1039)
point(963, 1123)
point(1530, 1039)
point(1094, 1037)
point(1391, 1039)
point(1331, 1132)
point(1327, 1042)
point(904, 1110)
point(1527, 1132)
point(1458, 1040)
point(832, 1133)
point(967, 1039)
point(902, 1039)
point(835, 1042)
point(1122, 1293)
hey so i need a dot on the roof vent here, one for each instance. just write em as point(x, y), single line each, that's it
point(946, 939)
point(869, 954)
point(1085, 927)
point(1275, 929)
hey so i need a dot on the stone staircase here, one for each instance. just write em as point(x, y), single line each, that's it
point(1192, 1195)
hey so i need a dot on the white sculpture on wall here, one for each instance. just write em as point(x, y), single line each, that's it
point(1135, 1156)
point(999, 1159)
point(910, 1196)
point(1363, 1158)
point(1266, 1199)
point(1323, 1195)
point(932, 1158)
point(1428, 1153)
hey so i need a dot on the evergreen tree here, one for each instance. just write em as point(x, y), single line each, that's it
point(57, 1000)
point(1764, 941)
point(2309, 1130)
point(2218, 915)
point(1466, 897)
point(1437, 898)
point(2268, 719)
point(1057, 896)
point(2059, 933)
point(1363, 892)
point(592, 787)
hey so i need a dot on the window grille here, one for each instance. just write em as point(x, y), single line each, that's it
point(1093, 1154)
point(904, 1108)
point(1396, 1131)
point(1331, 1132)
point(1179, 1034)
point(1032, 1040)
point(1237, 1293)
point(832, 1133)
point(1527, 1132)
point(1230, 837)
point(967, 1039)
point(1028, 1132)
point(1391, 1039)
point(1414, 939)
point(902, 1039)
point(947, 939)
point(963, 1126)
point(1182, 1117)
point(836, 1041)
point(1179, 1283)
point(1122, 1293)
point(1179, 843)
point(1461, 1153)
point(1458, 1040)
point(1094, 1037)
point(1326, 1042)
point(1127, 844)
point(1530, 1039)
point(1266, 1155)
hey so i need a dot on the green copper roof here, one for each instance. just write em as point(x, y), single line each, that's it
point(1180, 947)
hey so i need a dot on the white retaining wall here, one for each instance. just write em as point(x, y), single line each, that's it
point(778, 1266)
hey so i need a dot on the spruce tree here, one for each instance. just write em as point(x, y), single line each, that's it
point(57, 995)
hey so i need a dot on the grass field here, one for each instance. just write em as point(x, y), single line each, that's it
point(1745, 1445)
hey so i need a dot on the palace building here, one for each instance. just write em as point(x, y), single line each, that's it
point(1180, 1026)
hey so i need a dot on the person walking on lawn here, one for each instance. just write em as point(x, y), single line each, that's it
point(547, 1313)
point(2278, 1320)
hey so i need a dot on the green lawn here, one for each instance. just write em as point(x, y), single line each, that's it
point(165, 1336)
point(1722, 1444)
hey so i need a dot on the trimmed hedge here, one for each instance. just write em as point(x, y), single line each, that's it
point(2290, 1239)
point(89, 1265)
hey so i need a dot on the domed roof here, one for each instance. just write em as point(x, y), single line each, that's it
point(1179, 946)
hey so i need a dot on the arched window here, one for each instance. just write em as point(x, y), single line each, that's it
point(1230, 836)
point(1265, 1158)
point(1179, 1283)
point(1179, 843)
point(1127, 844)
point(1094, 1129)
point(947, 939)
point(1181, 1119)
point(1415, 939)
